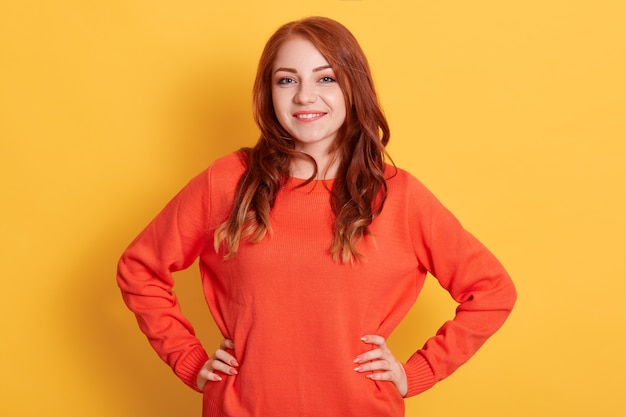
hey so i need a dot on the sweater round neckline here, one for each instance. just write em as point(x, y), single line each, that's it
point(318, 185)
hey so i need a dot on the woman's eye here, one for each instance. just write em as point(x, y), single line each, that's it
point(328, 80)
point(285, 80)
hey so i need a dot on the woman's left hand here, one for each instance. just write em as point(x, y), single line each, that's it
point(387, 367)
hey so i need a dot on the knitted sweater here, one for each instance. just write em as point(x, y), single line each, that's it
point(296, 316)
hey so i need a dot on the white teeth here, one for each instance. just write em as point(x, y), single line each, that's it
point(307, 116)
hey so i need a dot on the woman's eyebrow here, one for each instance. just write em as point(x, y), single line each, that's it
point(323, 67)
point(284, 69)
point(294, 71)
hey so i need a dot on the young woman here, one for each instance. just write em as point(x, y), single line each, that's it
point(312, 249)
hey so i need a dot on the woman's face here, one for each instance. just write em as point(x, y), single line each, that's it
point(307, 99)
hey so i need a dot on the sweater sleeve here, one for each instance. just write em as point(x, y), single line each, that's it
point(171, 242)
point(473, 277)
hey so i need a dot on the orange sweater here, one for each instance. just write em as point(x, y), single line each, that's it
point(295, 315)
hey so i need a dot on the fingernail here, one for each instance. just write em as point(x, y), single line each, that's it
point(234, 363)
point(233, 372)
point(358, 369)
point(357, 360)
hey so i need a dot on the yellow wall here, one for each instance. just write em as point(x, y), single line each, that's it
point(512, 112)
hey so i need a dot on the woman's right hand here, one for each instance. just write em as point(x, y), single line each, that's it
point(220, 362)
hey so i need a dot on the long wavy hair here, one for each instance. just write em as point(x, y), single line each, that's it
point(360, 189)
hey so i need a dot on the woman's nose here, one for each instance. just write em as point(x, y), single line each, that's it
point(306, 93)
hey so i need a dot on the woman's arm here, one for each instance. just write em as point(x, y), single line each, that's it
point(171, 242)
point(473, 277)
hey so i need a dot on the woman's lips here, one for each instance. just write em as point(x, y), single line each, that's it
point(308, 116)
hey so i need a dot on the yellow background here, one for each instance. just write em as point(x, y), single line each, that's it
point(512, 112)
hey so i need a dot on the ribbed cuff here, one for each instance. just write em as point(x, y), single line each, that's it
point(419, 375)
point(188, 367)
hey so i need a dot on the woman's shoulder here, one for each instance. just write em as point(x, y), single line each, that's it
point(222, 175)
point(399, 177)
point(233, 164)
point(405, 188)
point(224, 171)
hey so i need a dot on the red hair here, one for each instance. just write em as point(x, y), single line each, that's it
point(360, 189)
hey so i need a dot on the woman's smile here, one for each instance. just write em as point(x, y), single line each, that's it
point(308, 116)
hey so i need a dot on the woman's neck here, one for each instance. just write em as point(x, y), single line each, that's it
point(304, 168)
